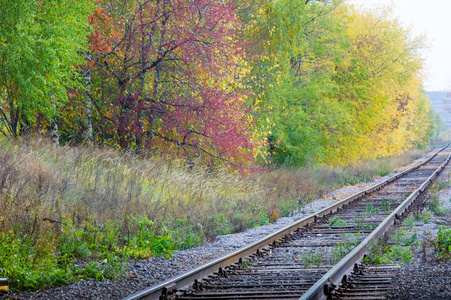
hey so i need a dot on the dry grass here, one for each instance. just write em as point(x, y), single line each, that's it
point(85, 185)
point(91, 187)
point(305, 184)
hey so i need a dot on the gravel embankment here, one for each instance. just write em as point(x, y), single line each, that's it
point(422, 281)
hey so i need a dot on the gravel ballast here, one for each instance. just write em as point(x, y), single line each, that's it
point(422, 281)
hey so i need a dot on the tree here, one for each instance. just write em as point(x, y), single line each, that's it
point(379, 83)
point(40, 46)
point(168, 79)
point(333, 85)
point(295, 45)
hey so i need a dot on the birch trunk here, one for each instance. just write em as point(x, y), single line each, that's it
point(54, 133)
point(54, 129)
point(86, 73)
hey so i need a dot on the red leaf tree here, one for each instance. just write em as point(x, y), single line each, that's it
point(166, 75)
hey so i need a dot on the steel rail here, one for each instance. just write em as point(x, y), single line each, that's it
point(343, 267)
point(188, 277)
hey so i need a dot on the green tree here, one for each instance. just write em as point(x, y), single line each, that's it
point(41, 45)
point(332, 84)
point(296, 46)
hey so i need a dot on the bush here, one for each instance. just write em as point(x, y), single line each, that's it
point(443, 242)
point(30, 263)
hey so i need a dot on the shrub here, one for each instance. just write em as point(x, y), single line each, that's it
point(336, 221)
point(443, 242)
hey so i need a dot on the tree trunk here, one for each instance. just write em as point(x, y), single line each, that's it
point(86, 73)
point(54, 133)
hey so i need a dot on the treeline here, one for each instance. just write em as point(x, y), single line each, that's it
point(230, 82)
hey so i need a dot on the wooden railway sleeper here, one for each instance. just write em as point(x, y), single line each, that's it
point(329, 290)
point(231, 267)
point(168, 291)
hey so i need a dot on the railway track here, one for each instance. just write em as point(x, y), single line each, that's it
point(317, 257)
point(366, 283)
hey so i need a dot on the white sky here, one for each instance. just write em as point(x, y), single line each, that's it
point(433, 18)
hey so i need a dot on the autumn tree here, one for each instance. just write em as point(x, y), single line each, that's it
point(166, 78)
point(41, 43)
point(332, 84)
point(295, 47)
point(379, 85)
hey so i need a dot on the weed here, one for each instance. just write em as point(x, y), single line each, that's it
point(343, 248)
point(184, 234)
point(399, 236)
point(386, 206)
point(359, 221)
point(220, 224)
point(245, 264)
point(336, 221)
point(400, 251)
point(370, 210)
point(115, 267)
point(435, 205)
point(112, 267)
point(310, 258)
point(353, 180)
point(375, 253)
point(91, 270)
point(424, 217)
point(442, 185)
point(289, 208)
point(388, 254)
point(409, 222)
point(443, 242)
point(263, 220)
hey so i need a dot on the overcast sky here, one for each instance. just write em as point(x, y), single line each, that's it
point(433, 18)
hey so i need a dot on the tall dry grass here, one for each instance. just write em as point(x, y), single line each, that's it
point(95, 186)
point(89, 187)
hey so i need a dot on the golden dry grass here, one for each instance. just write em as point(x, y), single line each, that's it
point(95, 186)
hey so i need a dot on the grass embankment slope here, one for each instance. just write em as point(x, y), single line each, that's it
point(62, 203)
